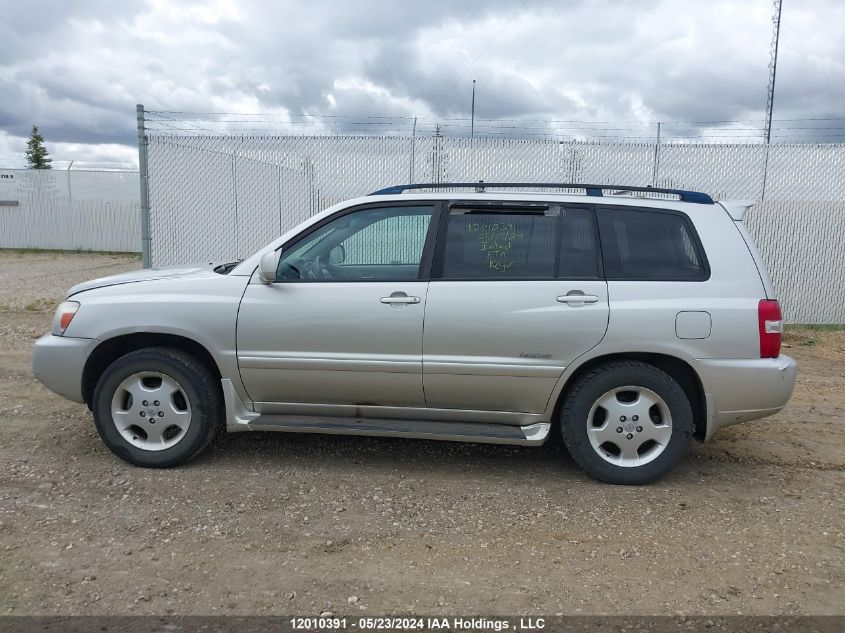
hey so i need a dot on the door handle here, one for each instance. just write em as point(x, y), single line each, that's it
point(400, 299)
point(573, 298)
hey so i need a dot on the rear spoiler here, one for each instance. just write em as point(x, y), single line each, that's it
point(737, 208)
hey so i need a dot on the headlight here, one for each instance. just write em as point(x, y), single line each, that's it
point(63, 317)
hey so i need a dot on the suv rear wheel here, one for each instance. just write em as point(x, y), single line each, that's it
point(626, 422)
point(157, 407)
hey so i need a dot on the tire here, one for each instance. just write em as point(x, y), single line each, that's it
point(178, 397)
point(618, 395)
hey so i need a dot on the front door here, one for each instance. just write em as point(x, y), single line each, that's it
point(342, 325)
point(515, 296)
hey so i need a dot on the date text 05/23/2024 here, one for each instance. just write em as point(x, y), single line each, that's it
point(417, 623)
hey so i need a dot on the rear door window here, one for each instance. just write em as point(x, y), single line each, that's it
point(650, 245)
point(501, 244)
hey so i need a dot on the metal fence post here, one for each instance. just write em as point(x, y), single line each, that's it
point(69, 189)
point(279, 194)
point(236, 226)
point(765, 173)
point(143, 177)
point(413, 151)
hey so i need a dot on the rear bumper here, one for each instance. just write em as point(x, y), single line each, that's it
point(742, 390)
point(58, 362)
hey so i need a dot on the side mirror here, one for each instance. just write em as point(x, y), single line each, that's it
point(268, 265)
point(337, 255)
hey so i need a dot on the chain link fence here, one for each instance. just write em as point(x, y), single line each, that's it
point(215, 198)
point(69, 210)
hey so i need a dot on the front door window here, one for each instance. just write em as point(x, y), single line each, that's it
point(379, 244)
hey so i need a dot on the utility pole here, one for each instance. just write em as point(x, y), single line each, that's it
point(437, 155)
point(472, 117)
point(656, 157)
point(773, 68)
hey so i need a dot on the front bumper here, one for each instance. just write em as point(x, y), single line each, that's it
point(742, 390)
point(58, 362)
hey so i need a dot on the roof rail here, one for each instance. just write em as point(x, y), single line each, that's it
point(592, 190)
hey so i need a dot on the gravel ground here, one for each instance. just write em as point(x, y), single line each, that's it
point(751, 523)
point(37, 281)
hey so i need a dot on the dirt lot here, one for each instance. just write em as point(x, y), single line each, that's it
point(751, 523)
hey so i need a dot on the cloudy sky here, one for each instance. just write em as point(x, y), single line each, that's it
point(78, 68)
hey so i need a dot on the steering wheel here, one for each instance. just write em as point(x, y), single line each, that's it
point(316, 269)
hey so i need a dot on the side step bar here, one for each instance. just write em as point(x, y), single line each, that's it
point(420, 429)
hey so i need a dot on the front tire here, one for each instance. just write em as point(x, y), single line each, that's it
point(627, 422)
point(157, 407)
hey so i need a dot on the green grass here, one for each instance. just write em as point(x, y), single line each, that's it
point(809, 334)
point(40, 305)
point(57, 251)
point(792, 328)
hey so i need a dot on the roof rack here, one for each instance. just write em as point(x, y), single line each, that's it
point(592, 190)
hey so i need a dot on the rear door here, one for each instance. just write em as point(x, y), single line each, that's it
point(516, 295)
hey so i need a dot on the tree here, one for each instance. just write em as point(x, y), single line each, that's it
point(36, 153)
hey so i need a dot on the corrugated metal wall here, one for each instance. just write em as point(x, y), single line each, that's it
point(77, 209)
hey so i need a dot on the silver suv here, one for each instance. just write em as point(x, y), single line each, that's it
point(633, 319)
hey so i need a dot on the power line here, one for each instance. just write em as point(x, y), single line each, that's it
point(438, 119)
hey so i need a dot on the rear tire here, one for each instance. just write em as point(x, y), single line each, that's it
point(158, 407)
point(626, 422)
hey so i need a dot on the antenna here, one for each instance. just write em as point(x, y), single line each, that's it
point(472, 119)
point(773, 67)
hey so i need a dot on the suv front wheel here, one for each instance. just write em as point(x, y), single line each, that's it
point(157, 407)
point(626, 422)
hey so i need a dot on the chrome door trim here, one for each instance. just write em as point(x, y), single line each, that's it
point(405, 364)
point(493, 369)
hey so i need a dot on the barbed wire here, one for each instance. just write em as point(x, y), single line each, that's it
point(17, 163)
point(784, 130)
point(411, 118)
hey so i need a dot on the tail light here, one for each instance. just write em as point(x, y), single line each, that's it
point(771, 328)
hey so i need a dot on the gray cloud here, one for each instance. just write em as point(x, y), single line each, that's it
point(77, 69)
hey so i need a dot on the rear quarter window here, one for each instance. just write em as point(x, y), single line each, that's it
point(650, 245)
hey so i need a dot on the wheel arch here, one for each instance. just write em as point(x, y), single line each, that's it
point(111, 349)
point(676, 367)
